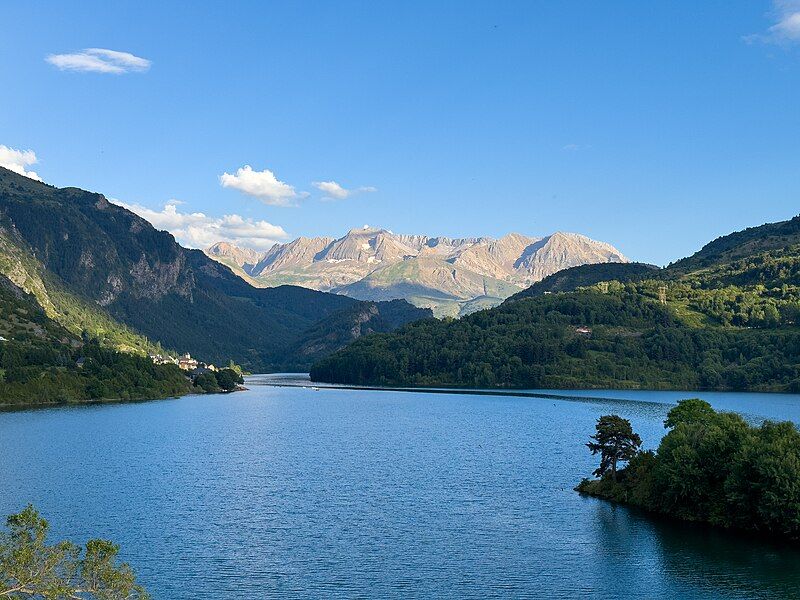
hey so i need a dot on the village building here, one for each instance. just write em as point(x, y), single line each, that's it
point(185, 362)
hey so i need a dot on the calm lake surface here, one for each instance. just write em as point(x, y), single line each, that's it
point(352, 493)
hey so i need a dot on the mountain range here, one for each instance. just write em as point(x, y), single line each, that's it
point(99, 270)
point(452, 276)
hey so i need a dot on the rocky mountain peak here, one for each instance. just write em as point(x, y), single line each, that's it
point(239, 256)
point(374, 263)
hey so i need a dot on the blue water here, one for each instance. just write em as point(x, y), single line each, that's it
point(291, 492)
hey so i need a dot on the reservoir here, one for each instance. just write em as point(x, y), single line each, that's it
point(304, 492)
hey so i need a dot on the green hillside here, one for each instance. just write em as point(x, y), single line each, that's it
point(42, 362)
point(94, 265)
point(730, 324)
point(742, 244)
point(73, 312)
point(585, 275)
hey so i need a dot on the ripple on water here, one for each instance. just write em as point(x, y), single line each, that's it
point(349, 493)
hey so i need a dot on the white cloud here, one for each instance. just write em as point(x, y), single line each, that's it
point(261, 184)
point(17, 160)
point(198, 230)
point(99, 60)
point(786, 29)
point(334, 191)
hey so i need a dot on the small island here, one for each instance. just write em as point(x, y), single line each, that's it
point(711, 467)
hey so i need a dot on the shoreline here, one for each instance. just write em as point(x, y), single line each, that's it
point(777, 540)
point(5, 407)
point(509, 392)
point(426, 390)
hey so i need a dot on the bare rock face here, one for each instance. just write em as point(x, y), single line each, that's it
point(300, 253)
point(561, 251)
point(159, 279)
point(446, 274)
point(241, 257)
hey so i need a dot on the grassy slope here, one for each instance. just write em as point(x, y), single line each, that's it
point(39, 361)
point(69, 310)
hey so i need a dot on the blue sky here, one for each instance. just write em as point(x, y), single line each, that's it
point(655, 126)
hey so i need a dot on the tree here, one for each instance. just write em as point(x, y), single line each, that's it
point(763, 489)
point(715, 468)
point(30, 568)
point(208, 382)
point(227, 379)
point(614, 441)
point(692, 410)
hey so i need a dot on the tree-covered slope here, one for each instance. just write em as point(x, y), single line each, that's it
point(75, 313)
point(107, 257)
point(731, 324)
point(348, 325)
point(584, 339)
point(741, 244)
point(586, 275)
point(42, 362)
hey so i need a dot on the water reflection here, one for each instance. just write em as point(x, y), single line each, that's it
point(667, 558)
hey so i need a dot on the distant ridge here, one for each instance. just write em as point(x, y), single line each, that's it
point(453, 276)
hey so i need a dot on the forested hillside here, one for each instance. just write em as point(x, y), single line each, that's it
point(90, 262)
point(742, 244)
point(584, 275)
point(730, 324)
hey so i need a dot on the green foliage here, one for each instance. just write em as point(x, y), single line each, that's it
point(30, 568)
point(207, 381)
point(763, 487)
point(42, 362)
point(38, 372)
point(635, 342)
point(224, 380)
point(692, 410)
point(586, 275)
point(228, 379)
point(73, 312)
point(749, 242)
point(615, 441)
point(715, 468)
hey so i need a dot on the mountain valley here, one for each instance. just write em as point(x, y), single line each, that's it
point(101, 271)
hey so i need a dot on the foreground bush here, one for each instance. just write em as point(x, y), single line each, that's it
point(30, 568)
